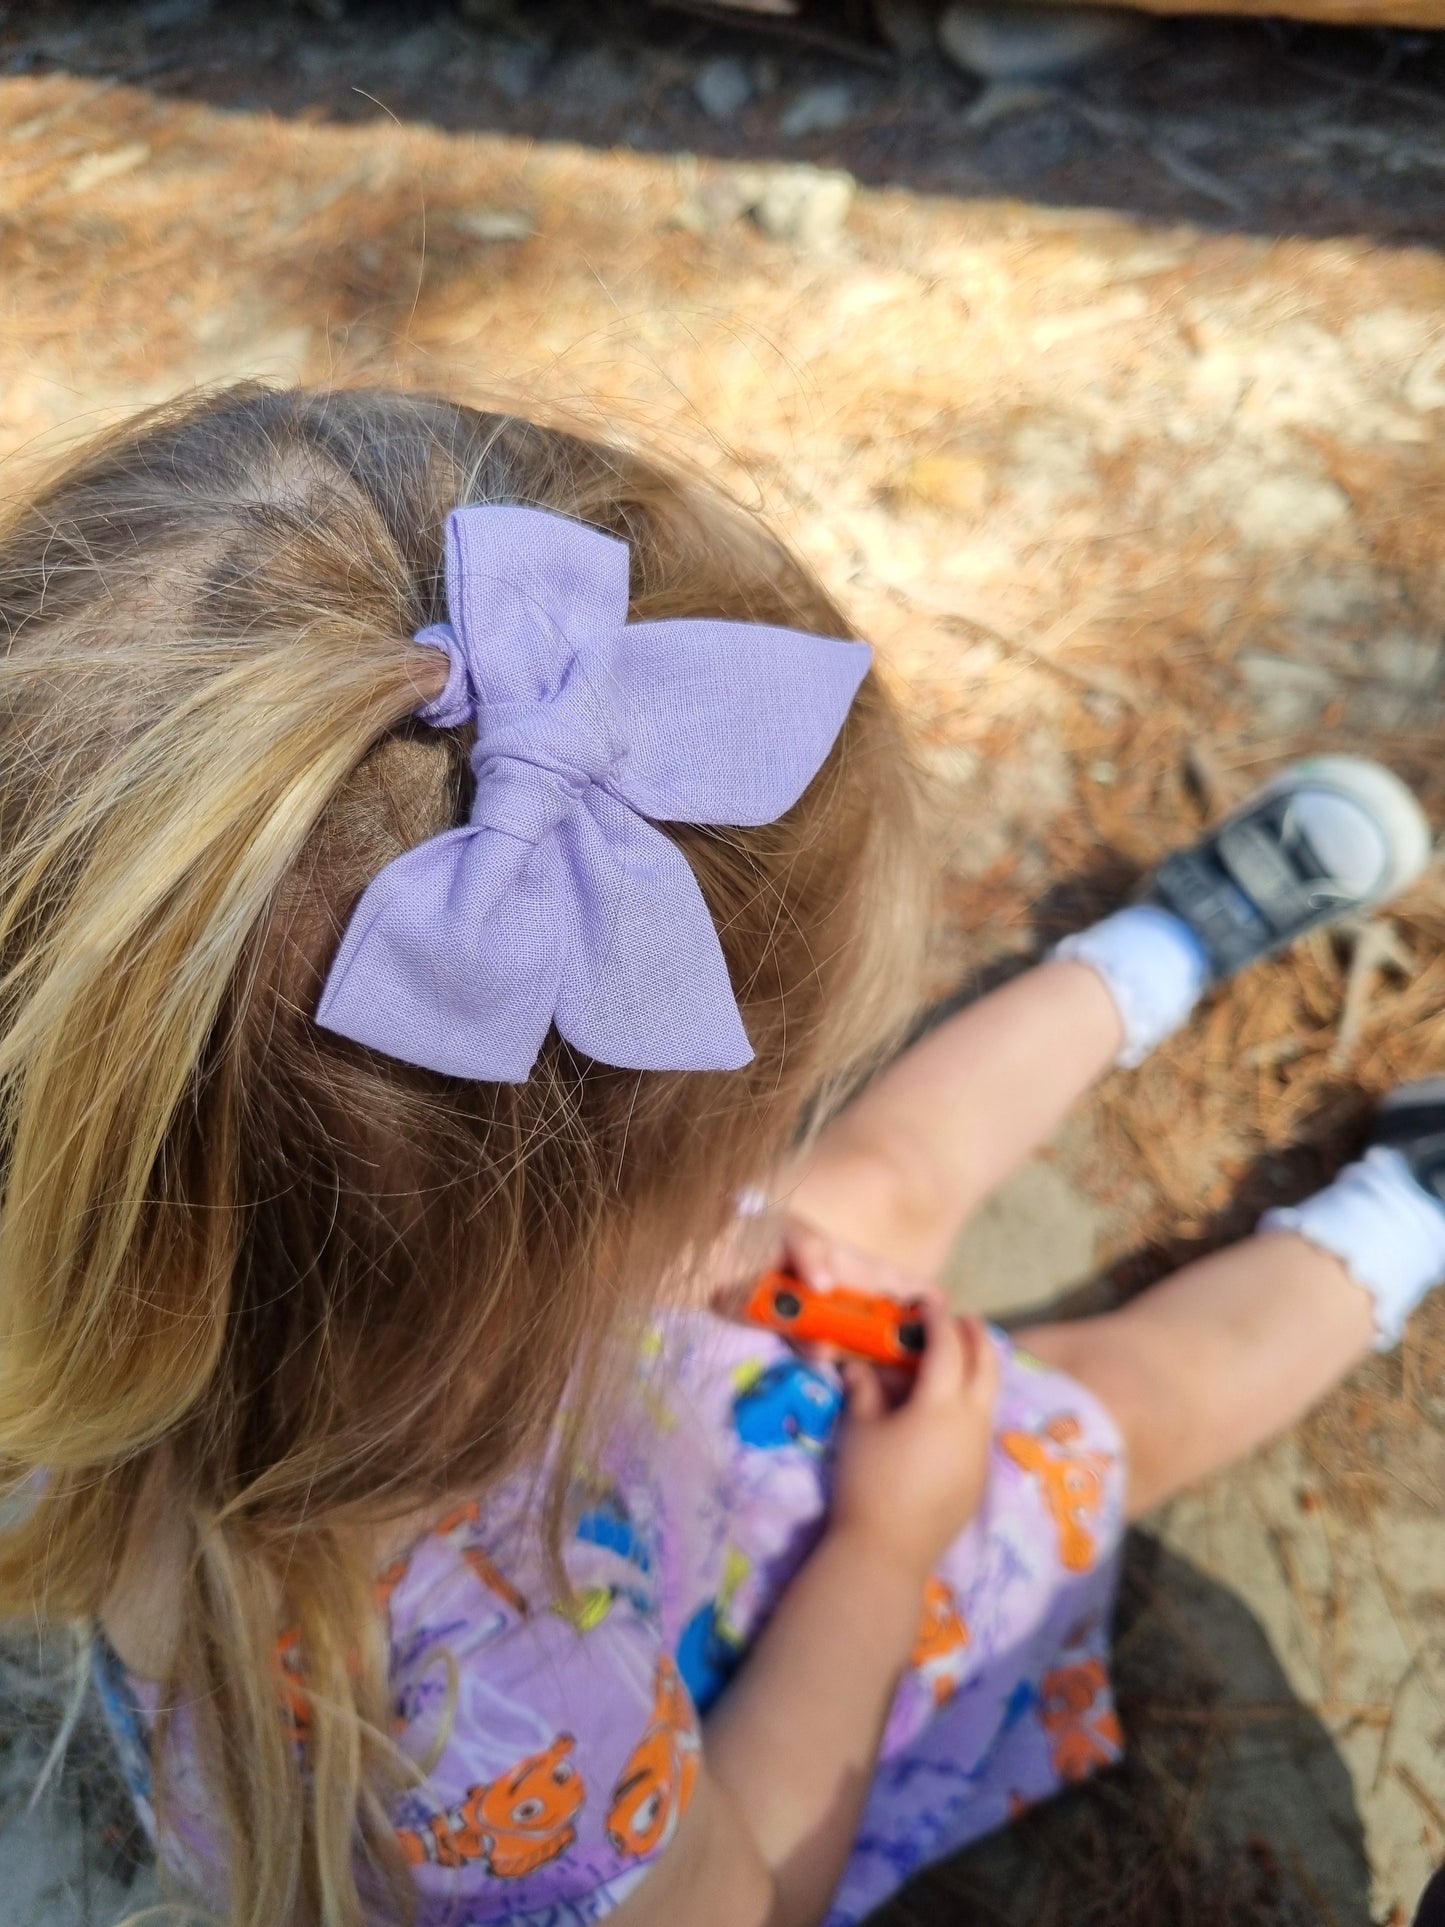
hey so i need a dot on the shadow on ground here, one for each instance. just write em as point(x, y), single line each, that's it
point(1196, 1828)
point(1250, 126)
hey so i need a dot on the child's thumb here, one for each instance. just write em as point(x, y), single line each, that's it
point(864, 1389)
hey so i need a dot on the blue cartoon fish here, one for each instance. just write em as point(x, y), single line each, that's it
point(712, 1646)
point(787, 1404)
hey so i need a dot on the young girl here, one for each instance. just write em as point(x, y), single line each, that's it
point(443, 862)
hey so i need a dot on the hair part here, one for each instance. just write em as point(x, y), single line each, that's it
point(299, 1287)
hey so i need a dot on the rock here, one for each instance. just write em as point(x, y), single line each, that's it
point(596, 79)
point(999, 100)
point(425, 50)
point(513, 66)
point(718, 202)
point(163, 14)
point(496, 224)
point(806, 205)
point(818, 110)
point(1024, 43)
point(723, 87)
point(1279, 511)
point(906, 26)
point(1400, 656)
point(1401, 686)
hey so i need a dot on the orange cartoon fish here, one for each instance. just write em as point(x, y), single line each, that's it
point(295, 1700)
point(1071, 1480)
point(387, 1582)
point(1080, 1739)
point(512, 1825)
point(942, 1636)
point(458, 1526)
point(655, 1786)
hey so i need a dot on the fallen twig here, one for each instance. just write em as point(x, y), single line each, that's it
point(1377, 946)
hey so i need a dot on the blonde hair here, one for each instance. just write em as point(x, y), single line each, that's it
point(315, 1287)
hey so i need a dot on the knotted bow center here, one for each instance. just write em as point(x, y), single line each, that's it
point(533, 761)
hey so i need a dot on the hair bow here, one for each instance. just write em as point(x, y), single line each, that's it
point(561, 901)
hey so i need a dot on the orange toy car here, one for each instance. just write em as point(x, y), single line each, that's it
point(866, 1324)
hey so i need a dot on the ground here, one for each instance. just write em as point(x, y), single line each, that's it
point(1111, 412)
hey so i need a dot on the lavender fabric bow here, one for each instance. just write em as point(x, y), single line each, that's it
point(560, 902)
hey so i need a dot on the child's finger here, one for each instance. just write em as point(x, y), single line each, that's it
point(941, 1369)
point(812, 1352)
point(981, 1363)
point(811, 1255)
point(865, 1390)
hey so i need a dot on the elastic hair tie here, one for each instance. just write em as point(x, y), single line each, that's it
point(560, 901)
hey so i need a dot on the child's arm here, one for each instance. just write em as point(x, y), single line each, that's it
point(796, 1740)
point(790, 1751)
point(902, 1168)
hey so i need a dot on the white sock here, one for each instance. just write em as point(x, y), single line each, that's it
point(1387, 1230)
point(1154, 967)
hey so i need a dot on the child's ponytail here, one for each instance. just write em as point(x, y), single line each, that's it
point(134, 905)
point(145, 894)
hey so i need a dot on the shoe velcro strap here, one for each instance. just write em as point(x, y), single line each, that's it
point(1253, 859)
point(1196, 887)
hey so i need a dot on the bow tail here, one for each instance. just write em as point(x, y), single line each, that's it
point(645, 985)
point(451, 959)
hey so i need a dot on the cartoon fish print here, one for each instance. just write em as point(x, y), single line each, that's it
point(587, 1607)
point(511, 1825)
point(942, 1636)
point(712, 1646)
point(295, 1700)
point(608, 1525)
point(387, 1582)
point(787, 1403)
point(1071, 1480)
point(459, 1528)
point(655, 1786)
point(1080, 1739)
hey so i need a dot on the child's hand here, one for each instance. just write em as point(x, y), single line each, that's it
point(777, 1241)
point(910, 1477)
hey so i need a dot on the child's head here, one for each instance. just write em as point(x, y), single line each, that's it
point(322, 1283)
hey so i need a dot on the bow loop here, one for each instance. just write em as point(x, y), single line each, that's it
point(560, 901)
